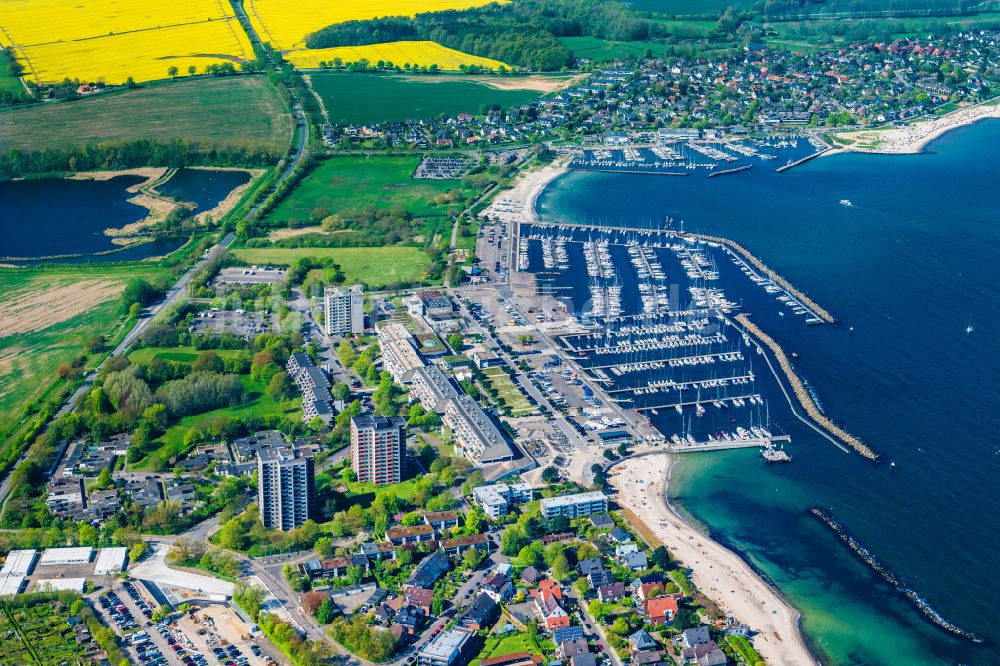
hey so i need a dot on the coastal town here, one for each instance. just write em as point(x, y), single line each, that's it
point(381, 408)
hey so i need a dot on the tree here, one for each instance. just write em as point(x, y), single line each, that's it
point(104, 480)
point(348, 475)
point(324, 547)
point(685, 618)
point(473, 520)
point(326, 612)
point(660, 557)
point(191, 70)
point(513, 540)
point(280, 386)
point(311, 601)
point(472, 558)
point(137, 550)
point(171, 71)
point(597, 610)
point(581, 587)
point(88, 534)
point(207, 361)
point(231, 534)
point(560, 567)
point(550, 475)
point(249, 597)
point(161, 613)
point(529, 557)
point(456, 341)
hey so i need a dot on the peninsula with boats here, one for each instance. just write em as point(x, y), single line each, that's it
point(295, 365)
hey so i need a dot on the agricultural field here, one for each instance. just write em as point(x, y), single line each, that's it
point(46, 316)
point(111, 40)
point(219, 111)
point(603, 49)
point(352, 183)
point(421, 54)
point(374, 266)
point(376, 98)
point(285, 23)
point(685, 7)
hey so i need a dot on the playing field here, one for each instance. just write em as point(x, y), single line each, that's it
point(231, 110)
point(346, 184)
point(375, 266)
point(111, 40)
point(285, 23)
point(421, 54)
point(376, 98)
point(46, 316)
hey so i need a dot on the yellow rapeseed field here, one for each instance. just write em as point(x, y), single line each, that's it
point(398, 53)
point(111, 40)
point(285, 23)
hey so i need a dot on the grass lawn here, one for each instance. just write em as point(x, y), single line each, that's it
point(354, 183)
point(233, 110)
point(46, 316)
point(498, 646)
point(182, 354)
point(257, 404)
point(374, 266)
point(510, 396)
point(375, 98)
point(603, 49)
point(365, 492)
point(9, 83)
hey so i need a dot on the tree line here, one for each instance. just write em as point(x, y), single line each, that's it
point(109, 155)
point(525, 34)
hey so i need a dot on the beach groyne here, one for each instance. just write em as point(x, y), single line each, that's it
point(770, 273)
point(888, 576)
point(802, 394)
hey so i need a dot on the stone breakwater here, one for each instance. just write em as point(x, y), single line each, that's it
point(803, 394)
point(770, 273)
point(888, 576)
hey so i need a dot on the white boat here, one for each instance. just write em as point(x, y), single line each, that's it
point(846, 202)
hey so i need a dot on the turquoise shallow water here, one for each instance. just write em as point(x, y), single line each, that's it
point(909, 266)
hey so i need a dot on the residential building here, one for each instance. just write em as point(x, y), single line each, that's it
point(442, 521)
point(481, 613)
point(449, 648)
point(495, 500)
point(399, 355)
point(404, 534)
point(707, 654)
point(378, 447)
point(641, 640)
point(476, 436)
point(602, 521)
point(432, 388)
point(285, 488)
point(695, 636)
point(574, 506)
point(419, 597)
point(457, 546)
point(611, 593)
point(499, 587)
point(660, 610)
point(430, 569)
point(547, 604)
point(570, 633)
point(573, 646)
point(635, 561)
point(344, 310)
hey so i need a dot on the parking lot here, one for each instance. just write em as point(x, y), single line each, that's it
point(243, 323)
point(249, 275)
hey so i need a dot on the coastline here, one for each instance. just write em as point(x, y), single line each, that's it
point(719, 573)
point(913, 138)
point(529, 186)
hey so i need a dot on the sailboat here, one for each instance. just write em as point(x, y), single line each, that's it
point(970, 328)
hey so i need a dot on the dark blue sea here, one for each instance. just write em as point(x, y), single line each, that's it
point(910, 265)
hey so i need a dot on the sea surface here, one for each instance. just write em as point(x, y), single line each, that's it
point(909, 266)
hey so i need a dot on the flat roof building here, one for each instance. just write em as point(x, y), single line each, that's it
point(344, 310)
point(448, 649)
point(495, 500)
point(110, 561)
point(378, 447)
point(19, 563)
point(476, 436)
point(573, 506)
point(11, 585)
point(285, 488)
point(63, 556)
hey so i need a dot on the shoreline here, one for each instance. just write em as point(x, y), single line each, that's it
point(530, 185)
point(720, 574)
point(913, 138)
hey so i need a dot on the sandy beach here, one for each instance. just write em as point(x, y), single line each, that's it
point(518, 202)
point(912, 138)
point(718, 572)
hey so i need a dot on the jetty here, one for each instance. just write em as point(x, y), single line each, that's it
point(801, 161)
point(804, 398)
point(889, 577)
point(733, 246)
point(726, 172)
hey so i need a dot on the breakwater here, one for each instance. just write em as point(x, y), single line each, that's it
point(882, 570)
point(805, 399)
point(801, 161)
point(726, 172)
point(772, 274)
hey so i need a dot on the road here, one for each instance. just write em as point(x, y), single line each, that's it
point(180, 287)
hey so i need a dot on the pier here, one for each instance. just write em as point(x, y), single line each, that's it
point(801, 161)
point(806, 302)
point(727, 445)
point(726, 172)
point(803, 395)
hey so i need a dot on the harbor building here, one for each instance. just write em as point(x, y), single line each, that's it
point(344, 310)
point(574, 506)
point(285, 488)
point(378, 446)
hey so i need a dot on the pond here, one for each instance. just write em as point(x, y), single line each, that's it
point(206, 188)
